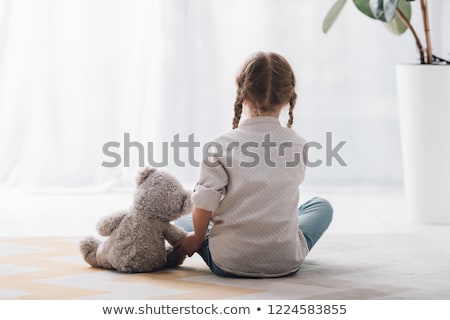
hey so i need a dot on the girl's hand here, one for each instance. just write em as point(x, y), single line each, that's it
point(189, 244)
point(194, 240)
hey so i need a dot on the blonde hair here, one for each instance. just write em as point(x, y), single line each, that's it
point(267, 82)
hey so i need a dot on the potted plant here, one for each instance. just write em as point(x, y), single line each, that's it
point(424, 109)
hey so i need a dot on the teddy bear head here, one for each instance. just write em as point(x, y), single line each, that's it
point(161, 196)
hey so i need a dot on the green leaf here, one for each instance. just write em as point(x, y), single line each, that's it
point(383, 10)
point(364, 7)
point(376, 7)
point(332, 15)
point(396, 26)
point(390, 6)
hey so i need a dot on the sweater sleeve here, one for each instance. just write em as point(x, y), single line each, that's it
point(211, 187)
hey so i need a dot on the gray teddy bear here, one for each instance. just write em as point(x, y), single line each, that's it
point(137, 237)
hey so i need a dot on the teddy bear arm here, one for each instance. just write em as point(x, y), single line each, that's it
point(109, 223)
point(173, 233)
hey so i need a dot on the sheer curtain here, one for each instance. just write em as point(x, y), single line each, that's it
point(75, 75)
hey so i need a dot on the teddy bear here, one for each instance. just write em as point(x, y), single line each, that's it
point(140, 239)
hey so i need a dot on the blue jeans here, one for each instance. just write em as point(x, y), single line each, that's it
point(314, 217)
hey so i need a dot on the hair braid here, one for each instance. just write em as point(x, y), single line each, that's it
point(292, 103)
point(239, 100)
point(237, 112)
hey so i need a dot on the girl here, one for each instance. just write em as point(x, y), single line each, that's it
point(249, 189)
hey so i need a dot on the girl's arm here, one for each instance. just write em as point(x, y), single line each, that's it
point(194, 240)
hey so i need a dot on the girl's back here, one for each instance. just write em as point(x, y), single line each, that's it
point(255, 228)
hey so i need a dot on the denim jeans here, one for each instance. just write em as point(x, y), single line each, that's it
point(314, 217)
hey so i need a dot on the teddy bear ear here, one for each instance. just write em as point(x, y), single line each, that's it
point(143, 174)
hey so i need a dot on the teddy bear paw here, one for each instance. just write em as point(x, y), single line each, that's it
point(174, 258)
point(88, 248)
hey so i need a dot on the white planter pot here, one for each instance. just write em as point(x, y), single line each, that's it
point(424, 109)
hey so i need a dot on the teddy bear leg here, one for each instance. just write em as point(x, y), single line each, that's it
point(174, 258)
point(88, 248)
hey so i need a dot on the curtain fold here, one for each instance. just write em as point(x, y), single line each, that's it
point(75, 75)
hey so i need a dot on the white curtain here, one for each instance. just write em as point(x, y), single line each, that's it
point(76, 74)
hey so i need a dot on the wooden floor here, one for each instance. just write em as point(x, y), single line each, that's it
point(370, 251)
point(376, 266)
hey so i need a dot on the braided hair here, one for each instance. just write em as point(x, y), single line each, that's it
point(267, 83)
